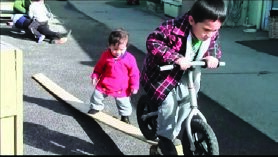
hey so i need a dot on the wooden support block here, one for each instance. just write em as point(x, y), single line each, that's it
point(11, 100)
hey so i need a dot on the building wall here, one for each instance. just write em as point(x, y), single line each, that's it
point(275, 4)
point(186, 5)
point(237, 11)
point(254, 13)
point(248, 13)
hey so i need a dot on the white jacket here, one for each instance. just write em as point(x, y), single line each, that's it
point(38, 11)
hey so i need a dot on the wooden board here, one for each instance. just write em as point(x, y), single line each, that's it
point(100, 116)
point(81, 106)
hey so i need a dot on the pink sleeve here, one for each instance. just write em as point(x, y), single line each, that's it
point(134, 74)
point(99, 67)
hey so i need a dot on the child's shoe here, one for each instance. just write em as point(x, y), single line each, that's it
point(125, 119)
point(41, 38)
point(93, 111)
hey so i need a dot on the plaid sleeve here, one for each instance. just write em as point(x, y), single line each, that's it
point(163, 44)
point(214, 47)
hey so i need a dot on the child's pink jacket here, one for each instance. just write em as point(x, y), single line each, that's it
point(116, 76)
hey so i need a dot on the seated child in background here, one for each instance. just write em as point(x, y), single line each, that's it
point(39, 26)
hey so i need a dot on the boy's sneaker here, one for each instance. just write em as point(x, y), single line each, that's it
point(41, 38)
point(166, 146)
point(93, 111)
point(125, 119)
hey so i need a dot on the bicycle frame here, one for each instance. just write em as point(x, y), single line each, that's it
point(194, 108)
point(193, 100)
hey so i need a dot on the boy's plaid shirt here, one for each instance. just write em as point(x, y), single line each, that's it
point(165, 45)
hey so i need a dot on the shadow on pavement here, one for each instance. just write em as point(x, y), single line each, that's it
point(268, 46)
point(40, 137)
point(15, 33)
point(234, 135)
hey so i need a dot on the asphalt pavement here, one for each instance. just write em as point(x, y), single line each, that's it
point(242, 92)
point(246, 86)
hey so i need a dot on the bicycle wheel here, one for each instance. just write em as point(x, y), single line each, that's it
point(204, 139)
point(148, 126)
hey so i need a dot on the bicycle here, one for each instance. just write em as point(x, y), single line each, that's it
point(200, 138)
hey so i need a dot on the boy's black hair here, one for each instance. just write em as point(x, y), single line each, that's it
point(208, 9)
point(117, 36)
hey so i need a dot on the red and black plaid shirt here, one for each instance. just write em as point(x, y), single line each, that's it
point(165, 45)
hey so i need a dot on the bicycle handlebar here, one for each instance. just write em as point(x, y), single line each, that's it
point(193, 63)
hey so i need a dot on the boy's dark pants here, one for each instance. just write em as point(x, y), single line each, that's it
point(38, 28)
point(33, 27)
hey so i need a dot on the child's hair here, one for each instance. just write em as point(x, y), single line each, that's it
point(117, 36)
point(208, 9)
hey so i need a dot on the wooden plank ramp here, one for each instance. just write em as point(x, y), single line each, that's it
point(82, 107)
point(102, 117)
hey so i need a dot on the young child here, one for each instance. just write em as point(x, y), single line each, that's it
point(116, 74)
point(193, 36)
point(39, 26)
point(40, 15)
point(20, 19)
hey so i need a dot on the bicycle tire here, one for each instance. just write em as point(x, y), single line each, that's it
point(204, 139)
point(147, 127)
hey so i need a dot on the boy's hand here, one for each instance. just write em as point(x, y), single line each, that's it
point(212, 62)
point(183, 63)
point(134, 91)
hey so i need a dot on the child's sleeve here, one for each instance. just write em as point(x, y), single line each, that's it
point(158, 43)
point(214, 47)
point(99, 67)
point(31, 11)
point(134, 73)
point(19, 7)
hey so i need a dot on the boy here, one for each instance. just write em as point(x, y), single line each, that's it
point(194, 36)
point(116, 74)
point(39, 26)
